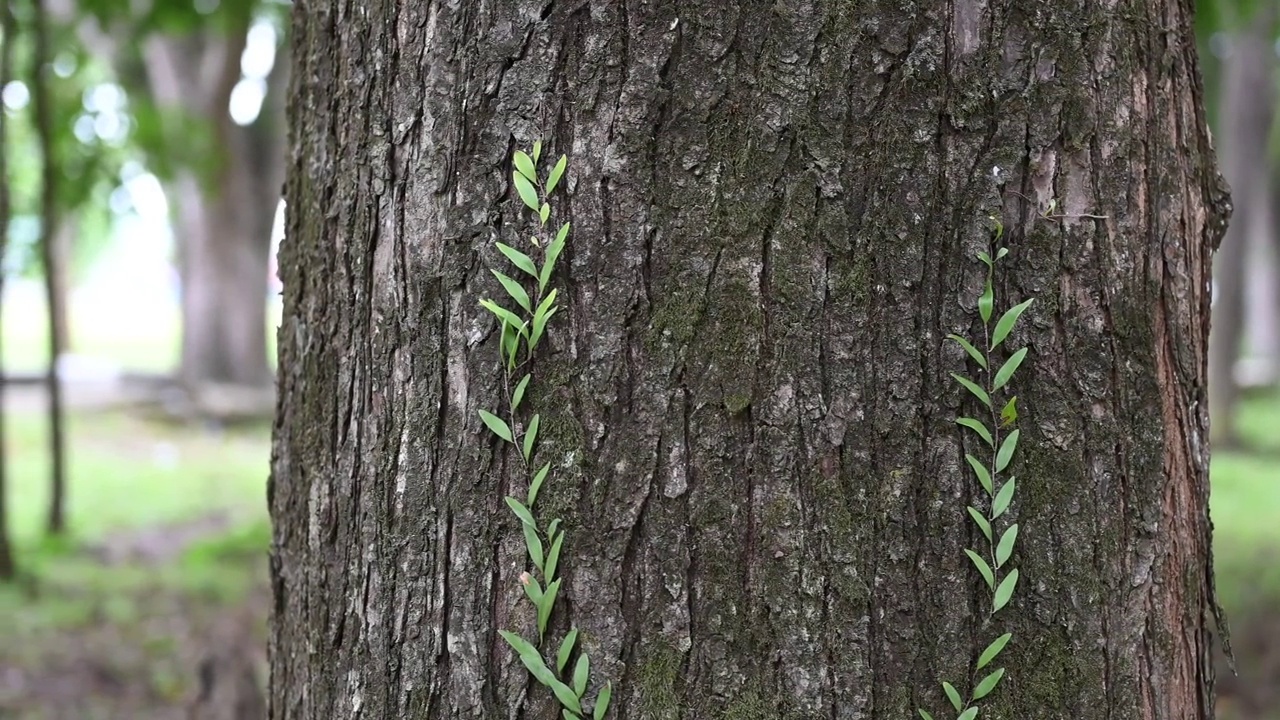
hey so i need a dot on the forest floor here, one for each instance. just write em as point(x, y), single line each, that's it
point(166, 566)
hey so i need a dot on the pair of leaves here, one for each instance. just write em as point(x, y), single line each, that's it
point(500, 428)
point(983, 689)
point(1003, 375)
point(524, 178)
point(580, 674)
point(537, 666)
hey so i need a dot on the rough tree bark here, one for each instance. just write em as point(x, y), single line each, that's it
point(1247, 110)
point(775, 207)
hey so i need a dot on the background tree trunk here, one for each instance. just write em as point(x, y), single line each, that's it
point(746, 399)
point(1248, 107)
point(223, 222)
point(8, 568)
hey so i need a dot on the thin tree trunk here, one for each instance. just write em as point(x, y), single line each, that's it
point(746, 399)
point(1248, 100)
point(48, 234)
point(62, 256)
point(8, 568)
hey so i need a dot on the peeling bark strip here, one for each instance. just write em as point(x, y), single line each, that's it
point(774, 206)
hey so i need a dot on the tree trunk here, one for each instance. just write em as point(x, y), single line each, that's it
point(223, 222)
point(8, 568)
point(746, 397)
point(55, 296)
point(1248, 100)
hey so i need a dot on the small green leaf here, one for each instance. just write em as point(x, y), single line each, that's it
point(1007, 448)
point(1003, 498)
point(507, 316)
point(924, 715)
point(518, 394)
point(540, 324)
point(496, 424)
point(988, 684)
point(580, 674)
point(521, 512)
point(1004, 250)
point(993, 650)
point(979, 428)
point(557, 172)
point(986, 301)
point(1005, 591)
point(968, 714)
point(551, 529)
point(533, 590)
point(1006, 322)
point(540, 317)
point(524, 164)
point(980, 470)
point(537, 150)
point(972, 387)
point(953, 696)
point(983, 525)
point(982, 566)
point(553, 254)
point(985, 258)
point(974, 352)
point(602, 702)
point(566, 697)
point(531, 436)
point(533, 543)
point(536, 485)
point(1009, 414)
point(1005, 548)
point(1007, 370)
point(566, 715)
point(553, 556)
point(566, 647)
point(513, 289)
point(510, 344)
point(548, 602)
point(525, 190)
point(530, 657)
point(544, 212)
point(519, 259)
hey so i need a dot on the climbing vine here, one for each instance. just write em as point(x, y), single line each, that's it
point(525, 327)
point(992, 559)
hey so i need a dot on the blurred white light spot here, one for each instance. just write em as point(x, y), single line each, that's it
point(246, 100)
point(259, 51)
point(16, 96)
point(109, 127)
point(104, 97)
point(64, 65)
point(84, 130)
